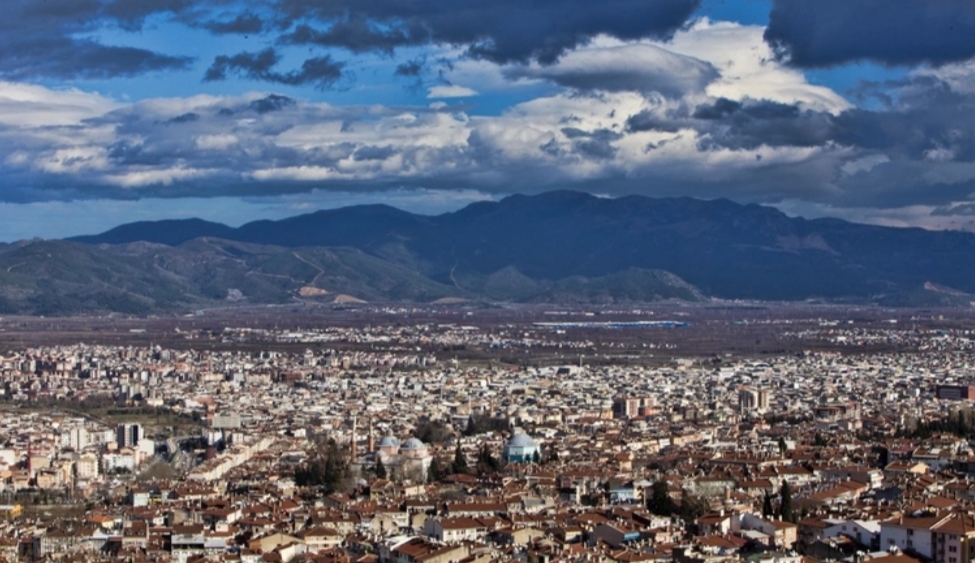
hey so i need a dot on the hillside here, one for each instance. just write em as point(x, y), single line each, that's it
point(520, 247)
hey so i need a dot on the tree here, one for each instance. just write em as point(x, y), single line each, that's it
point(327, 468)
point(785, 502)
point(691, 507)
point(433, 432)
point(460, 462)
point(782, 446)
point(536, 458)
point(767, 510)
point(553, 456)
point(436, 471)
point(380, 469)
point(659, 501)
point(486, 462)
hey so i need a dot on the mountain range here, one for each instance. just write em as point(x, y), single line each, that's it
point(564, 247)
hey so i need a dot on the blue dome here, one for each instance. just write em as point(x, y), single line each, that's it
point(521, 440)
point(413, 444)
point(389, 442)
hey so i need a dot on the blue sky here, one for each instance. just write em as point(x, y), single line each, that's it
point(112, 111)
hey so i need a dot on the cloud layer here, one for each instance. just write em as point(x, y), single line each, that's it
point(686, 121)
point(890, 32)
point(615, 97)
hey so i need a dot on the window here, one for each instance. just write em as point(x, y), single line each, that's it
point(952, 549)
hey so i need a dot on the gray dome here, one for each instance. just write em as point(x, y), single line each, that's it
point(413, 444)
point(521, 440)
point(389, 442)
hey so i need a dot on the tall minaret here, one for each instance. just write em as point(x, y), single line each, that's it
point(352, 444)
point(372, 439)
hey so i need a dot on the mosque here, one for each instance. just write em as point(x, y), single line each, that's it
point(411, 458)
point(520, 448)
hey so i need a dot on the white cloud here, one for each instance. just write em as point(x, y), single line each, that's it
point(613, 66)
point(30, 105)
point(748, 68)
point(450, 91)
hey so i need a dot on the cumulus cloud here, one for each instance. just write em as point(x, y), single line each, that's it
point(748, 68)
point(890, 32)
point(708, 112)
point(639, 67)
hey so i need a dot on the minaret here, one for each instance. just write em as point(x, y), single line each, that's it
point(352, 444)
point(372, 439)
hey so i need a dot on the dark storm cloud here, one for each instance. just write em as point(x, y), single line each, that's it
point(748, 126)
point(131, 14)
point(498, 30)
point(322, 72)
point(918, 151)
point(41, 39)
point(58, 38)
point(890, 32)
point(372, 152)
point(410, 68)
point(66, 58)
point(273, 102)
point(242, 24)
point(358, 35)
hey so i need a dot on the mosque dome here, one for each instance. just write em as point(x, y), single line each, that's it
point(389, 442)
point(413, 448)
point(412, 444)
point(522, 440)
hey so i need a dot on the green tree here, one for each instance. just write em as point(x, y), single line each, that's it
point(782, 446)
point(380, 469)
point(552, 456)
point(659, 501)
point(691, 507)
point(785, 502)
point(536, 458)
point(471, 429)
point(767, 510)
point(460, 462)
point(436, 470)
point(486, 462)
point(327, 468)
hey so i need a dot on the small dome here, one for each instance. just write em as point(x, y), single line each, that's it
point(413, 444)
point(521, 440)
point(389, 442)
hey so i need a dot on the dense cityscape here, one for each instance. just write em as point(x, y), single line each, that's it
point(379, 443)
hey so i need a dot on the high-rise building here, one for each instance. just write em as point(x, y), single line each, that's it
point(752, 399)
point(128, 435)
point(633, 407)
point(955, 392)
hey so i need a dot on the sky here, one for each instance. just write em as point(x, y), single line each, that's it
point(113, 111)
